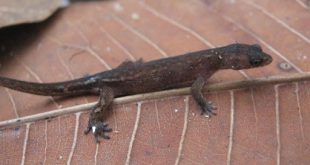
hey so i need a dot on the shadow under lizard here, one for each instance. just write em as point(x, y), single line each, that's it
point(191, 69)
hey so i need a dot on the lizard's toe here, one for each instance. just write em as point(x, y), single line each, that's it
point(87, 130)
point(208, 110)
point(99, 129)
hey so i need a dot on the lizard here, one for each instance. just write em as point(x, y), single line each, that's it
point(134, 77)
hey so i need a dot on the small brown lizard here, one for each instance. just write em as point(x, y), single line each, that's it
point(191, 69)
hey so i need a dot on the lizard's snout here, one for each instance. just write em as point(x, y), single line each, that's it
point(267, 59)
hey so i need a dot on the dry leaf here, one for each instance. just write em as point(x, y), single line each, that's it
point(263, 125)
point(14, 12)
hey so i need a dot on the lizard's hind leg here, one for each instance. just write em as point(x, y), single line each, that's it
point(99, 114)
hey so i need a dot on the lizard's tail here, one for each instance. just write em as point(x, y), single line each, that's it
point(73, 87)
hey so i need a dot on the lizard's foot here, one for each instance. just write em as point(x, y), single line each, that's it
point(99, 113)
point(208, 109)
point(99, 129)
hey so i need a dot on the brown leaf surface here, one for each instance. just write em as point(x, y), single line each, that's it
point(14, 12)
point(263, 125)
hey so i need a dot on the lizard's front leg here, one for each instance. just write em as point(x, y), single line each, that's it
point(99, 114)
point(196, 91)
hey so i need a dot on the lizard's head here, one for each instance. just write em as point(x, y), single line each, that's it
point(243, 56)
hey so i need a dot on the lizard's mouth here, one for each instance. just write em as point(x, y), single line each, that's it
point(267, 59)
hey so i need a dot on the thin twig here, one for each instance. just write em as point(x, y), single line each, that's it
point(167, 93)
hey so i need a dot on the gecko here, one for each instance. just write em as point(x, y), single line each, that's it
point(134, 77)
